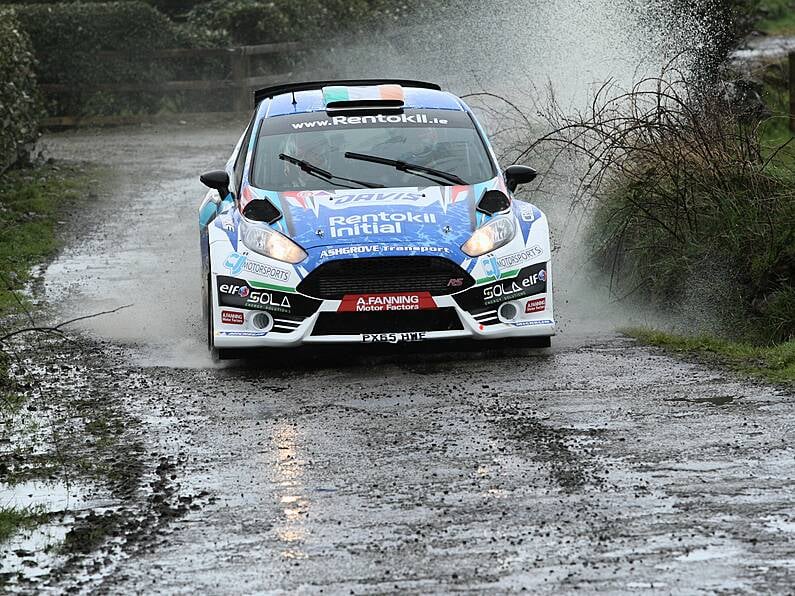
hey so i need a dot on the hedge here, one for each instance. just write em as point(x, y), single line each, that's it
point(67, 37)
point(20, 108)
point(270, 21)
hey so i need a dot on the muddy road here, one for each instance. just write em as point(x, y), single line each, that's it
point(597, 465)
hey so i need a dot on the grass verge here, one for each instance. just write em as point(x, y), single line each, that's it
point(13, 519)
point(32, 201)
point(774, 363)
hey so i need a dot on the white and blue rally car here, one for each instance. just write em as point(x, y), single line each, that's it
point(369, 211)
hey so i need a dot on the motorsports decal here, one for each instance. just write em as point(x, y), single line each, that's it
point(235, 263)
point(530, 280)
point(238, 293)
point(381, 302)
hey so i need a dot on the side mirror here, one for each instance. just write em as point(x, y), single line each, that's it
point(516, 175)
point(218, 179)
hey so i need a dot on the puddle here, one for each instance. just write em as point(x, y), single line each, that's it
point(33, 552)
point(777, 524)
point(49, 496)
point(709, 553)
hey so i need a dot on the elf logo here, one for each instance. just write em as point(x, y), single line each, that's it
point(512, 288)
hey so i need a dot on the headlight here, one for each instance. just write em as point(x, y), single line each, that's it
point(496, 233)
point(263, 239)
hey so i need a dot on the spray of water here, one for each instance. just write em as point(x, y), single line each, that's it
point(146, 253)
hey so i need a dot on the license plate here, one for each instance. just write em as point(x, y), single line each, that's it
point(392, 338)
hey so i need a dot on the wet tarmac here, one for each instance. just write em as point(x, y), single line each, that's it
point(597, 465)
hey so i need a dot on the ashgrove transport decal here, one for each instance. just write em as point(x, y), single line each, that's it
point(529, 281)
point(376, 223)
point(237, 293)
point(393, 338)
point(379, 249)
point(381, 302)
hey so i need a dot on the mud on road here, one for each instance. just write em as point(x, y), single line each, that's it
point(597, 465)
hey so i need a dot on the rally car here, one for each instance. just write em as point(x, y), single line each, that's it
point(369, 211)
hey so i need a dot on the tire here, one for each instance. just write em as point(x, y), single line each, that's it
point(537, 342)
point(216, 354)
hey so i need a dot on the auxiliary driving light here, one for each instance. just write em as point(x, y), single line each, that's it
point(508, 311)
point(262, 321)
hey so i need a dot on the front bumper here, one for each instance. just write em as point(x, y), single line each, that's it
point(449, 317)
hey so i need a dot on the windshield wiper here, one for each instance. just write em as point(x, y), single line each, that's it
point(411, 168)
point(319, 172)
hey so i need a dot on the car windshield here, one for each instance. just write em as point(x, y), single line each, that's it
point(444, 140)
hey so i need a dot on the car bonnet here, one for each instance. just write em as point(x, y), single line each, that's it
point(427, 216)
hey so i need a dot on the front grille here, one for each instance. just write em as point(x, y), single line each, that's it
point(332, 281)
point(355, 323)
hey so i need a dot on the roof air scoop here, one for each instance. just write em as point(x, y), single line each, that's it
point(376, 97)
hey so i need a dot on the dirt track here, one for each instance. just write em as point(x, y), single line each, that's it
point(596, 465)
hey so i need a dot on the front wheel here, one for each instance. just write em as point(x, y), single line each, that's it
point(537, 342)
point(215, 353)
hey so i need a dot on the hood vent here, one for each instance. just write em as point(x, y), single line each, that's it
point(262, 210)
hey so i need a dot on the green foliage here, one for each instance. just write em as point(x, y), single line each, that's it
point(270, 21)
point(67, 39)
point(20, 107)
point(13, 519)
point(773, 363)
point(695, 208)
point(778, 17)
point(31, 200)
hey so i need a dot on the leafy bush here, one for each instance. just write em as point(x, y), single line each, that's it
point(68, 37)
point(20, 107)
point(691, 208)
point(270, 21)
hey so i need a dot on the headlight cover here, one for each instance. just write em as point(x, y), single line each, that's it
point(263, 239)
point(496, 233)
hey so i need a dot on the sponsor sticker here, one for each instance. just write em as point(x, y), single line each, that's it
point(383, 222)
point(371, 120)
point(532, 323)
point(235, 263)
point(230, 317)
point(382, 302)
point(528, 282)
point(491, 266)
point(380, 249)
point(239, 293)
point(528, 254)
point(376, 197)
point(512, 288)
point(535, 305)
point(243, 333)
point(392, 338)
point(254, 298)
